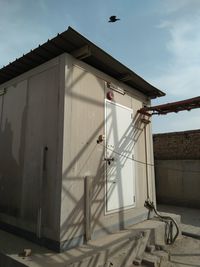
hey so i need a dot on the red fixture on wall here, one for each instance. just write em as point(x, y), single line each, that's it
point(110, 95)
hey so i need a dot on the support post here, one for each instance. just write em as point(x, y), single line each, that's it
point(88, 187)
point(146, 161)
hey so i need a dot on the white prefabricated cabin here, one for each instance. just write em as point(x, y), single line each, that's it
point(76, 160)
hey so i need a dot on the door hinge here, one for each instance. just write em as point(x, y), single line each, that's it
point(134, 199)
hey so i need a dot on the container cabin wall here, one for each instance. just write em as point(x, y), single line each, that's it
point(29, 123)
point(12, 143)
point(84, 121)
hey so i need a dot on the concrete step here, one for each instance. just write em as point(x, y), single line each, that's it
point(157, 228)
point(190, 230)
point(112, 247)
point(141, 248)
point(121, 254)
point(151, 260)
point(119, 249)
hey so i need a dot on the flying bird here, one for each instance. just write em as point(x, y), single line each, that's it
point(113, 19)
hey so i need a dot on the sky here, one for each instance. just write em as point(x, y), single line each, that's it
point(157, 39)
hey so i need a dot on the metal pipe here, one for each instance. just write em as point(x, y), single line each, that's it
point(163, 109)
point(88, 187)
point(40, 191)
point(146, 161)
point(1, 112)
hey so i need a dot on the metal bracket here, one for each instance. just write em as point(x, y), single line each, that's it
point(3, 91)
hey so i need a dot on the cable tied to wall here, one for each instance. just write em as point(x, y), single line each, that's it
point(124, 156)
point(170, 223)
point(149, 164)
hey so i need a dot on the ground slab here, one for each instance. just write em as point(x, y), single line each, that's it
point(189, 216)
point(139, 245)
point(118, 249)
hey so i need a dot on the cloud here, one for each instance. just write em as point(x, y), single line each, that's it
point(23, 26)
point(181, 77)
point(184, 43)
point(174, 6)
point(183, 121)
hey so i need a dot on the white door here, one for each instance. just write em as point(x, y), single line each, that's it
point(120, 174)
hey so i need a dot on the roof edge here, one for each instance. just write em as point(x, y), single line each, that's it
point(70, 41)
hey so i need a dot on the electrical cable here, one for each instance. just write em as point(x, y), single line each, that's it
point(178, 170)
point(169, 223)
point(124, 156)
point(144, 163)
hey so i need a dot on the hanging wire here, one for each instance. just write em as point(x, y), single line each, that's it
point(149, 164)
point(170, 223)
point(124, 156)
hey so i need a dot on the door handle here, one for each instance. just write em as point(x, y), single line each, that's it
point(109, 160)
point(113, 181)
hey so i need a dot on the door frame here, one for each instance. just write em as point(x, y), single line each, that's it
point(106, 212)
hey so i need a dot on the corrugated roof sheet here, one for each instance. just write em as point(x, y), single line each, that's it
point(71, 41)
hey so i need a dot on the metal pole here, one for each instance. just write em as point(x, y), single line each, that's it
point(146, 161)
point(88, 186)
point(40, 191)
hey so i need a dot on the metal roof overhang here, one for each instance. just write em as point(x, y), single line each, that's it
point(73, 43)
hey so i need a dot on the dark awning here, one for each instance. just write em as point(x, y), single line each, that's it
point(74, 43)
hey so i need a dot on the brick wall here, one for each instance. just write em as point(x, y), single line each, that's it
point(177, 168)
point(177, 145)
